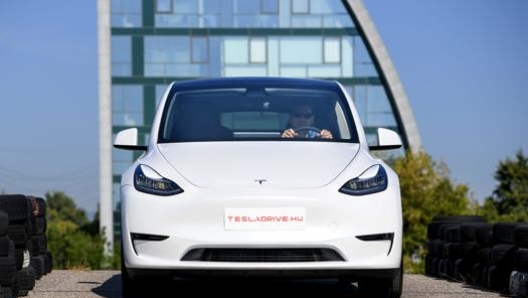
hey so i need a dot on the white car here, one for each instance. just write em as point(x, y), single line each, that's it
point(220, 190)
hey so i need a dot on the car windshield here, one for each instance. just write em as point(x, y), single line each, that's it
point(254, 113)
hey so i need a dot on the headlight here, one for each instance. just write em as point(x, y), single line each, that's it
point(149, 181)
point(374, 179)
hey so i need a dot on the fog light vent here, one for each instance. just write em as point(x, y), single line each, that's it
point(148, 237)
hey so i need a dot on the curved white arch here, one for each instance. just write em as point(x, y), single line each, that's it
point(396, 93)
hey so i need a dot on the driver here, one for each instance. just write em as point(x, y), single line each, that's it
point(301, 124)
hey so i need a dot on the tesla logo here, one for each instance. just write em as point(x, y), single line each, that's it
point(260, 181)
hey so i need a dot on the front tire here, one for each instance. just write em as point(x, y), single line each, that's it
point(131, 287)
point(391, 287)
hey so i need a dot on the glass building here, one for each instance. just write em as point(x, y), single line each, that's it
point(144, 45)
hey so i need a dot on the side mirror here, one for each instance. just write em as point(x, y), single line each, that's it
point(387, 139)
point(128, 140)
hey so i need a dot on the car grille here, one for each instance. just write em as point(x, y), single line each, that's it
point(262, 255)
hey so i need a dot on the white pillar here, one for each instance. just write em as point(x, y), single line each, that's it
point(105, 125)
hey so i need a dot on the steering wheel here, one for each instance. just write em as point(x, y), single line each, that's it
point(308, 129)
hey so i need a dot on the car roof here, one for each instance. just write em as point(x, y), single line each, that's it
point(228, 82)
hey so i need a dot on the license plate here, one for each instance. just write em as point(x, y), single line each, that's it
point(264, 218)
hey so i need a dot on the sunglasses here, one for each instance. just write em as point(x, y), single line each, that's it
point(301, 115)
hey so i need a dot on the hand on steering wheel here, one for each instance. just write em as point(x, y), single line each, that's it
point(308, 129)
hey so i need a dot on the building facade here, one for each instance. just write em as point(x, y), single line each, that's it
point(144, 45)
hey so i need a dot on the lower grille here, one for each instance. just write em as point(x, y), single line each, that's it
point(262, 255)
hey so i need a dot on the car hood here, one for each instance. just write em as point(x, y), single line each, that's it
point(281, 164)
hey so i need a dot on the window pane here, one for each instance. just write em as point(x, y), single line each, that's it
point(337, 21)
point(258, 50)
point(211, 6)
point(250, 71)
point(160, 91)
point(306, 21)
point(127, 119)
point(154, 70)
point(311, 50)
point(199, 49)
point(332, 50)
point(294, 71)
point(247, 6)
point(164, 6)
point(121, 49)
point(185, 6)
point(121, 69)
point(322, 71)
point(300, 6)
point(132, 6)
point(121, 160)
point(116, 6)
point(126, 21)
point(270, 6)
point(236, 50)
point(167, 49)
point(327, 6)
point(177, 21)
point(187, 70)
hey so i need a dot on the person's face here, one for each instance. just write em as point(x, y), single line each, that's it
point(302, 116)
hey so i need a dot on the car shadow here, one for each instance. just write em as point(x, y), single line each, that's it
point(234, 288)
point(111, 288)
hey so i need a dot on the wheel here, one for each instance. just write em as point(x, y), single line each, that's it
point(309, 129)
point(131, 287)
point(390, 287)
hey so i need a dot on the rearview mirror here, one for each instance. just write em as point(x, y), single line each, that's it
point(128, 140)
point(387, 140)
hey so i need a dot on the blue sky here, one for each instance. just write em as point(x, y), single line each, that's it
point(463, 64)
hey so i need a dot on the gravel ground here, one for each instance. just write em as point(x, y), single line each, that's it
point(87, 284)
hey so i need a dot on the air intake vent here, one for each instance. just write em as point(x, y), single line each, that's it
point(262, 255)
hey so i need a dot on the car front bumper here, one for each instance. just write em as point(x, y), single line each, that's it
point(158, 232)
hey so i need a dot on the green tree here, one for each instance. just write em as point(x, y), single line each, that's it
point(71, 239)
point(509, 200)
point(65, 208)
point(427, 191)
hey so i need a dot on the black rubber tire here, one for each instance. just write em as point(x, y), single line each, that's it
point(4, 222)
point(7, 270)
point(502, 256)
point(468, 231)
point(8, 293)
point(19, 258)
point(27, 278)
point(521, 236)
point(383, 287)
point(454, 250)
point(453, 234)
point(19, 235)
point(468, 250)
point(520, 258)
point(48, 262)
point(16, 206)
point(503, 232)
point(42, 206)
point(484, 235)
point(5, 245)
point(484, 256)
point(132, 287)
point(38, 264)
point(436, 229)
point(460, 218)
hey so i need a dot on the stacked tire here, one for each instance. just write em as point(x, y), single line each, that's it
point(7, 258)
point(518, 286)
point(467, 249)
point(17, 245)
point(40, 256)
point(445, 246)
